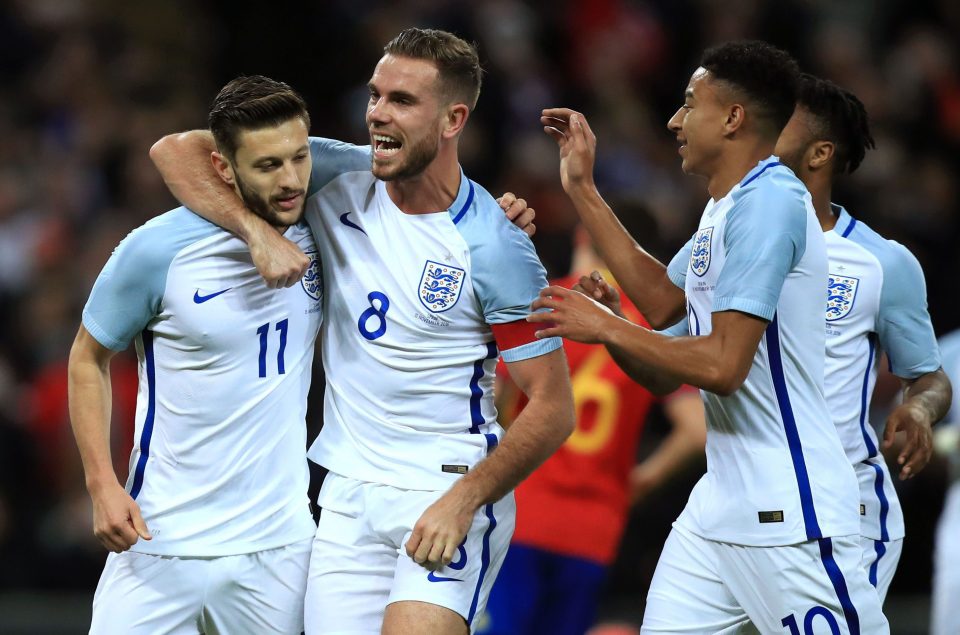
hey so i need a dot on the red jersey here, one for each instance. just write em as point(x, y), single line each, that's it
point(576, 503)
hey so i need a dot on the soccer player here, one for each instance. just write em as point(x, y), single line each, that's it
point(946, 553)
point(212, 532)
point(769, 539)
point(876, 302)
point(571, 512)
point(417, 509)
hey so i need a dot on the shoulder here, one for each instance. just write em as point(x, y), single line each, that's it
point(896, 261)
point(774, 199)
point(331, 158)
point(157, 242)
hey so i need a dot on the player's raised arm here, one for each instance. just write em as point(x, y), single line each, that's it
point(643, 278)
point(184, 162)
point(117, 523)
point(540, 428)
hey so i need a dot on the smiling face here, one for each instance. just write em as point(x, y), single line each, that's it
point(405, 116)
point(700, 123)
point(270, 170)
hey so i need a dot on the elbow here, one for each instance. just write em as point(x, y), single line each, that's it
point(724, 381)
point(161, 149)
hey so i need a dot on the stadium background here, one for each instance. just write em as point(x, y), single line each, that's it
point(88, 86)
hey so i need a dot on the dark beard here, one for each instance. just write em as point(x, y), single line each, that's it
point(421, 155)
point(259, 205)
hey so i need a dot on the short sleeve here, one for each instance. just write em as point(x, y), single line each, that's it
point(679, 329)
point(331, 158)
point(677, 269)
point(763, 241)
point(903, 323)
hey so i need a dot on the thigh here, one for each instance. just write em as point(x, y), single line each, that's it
point(688, 595)
point(141, 594)
point(349, 578)
point(464, 585)
point(810, 588)
point(880, 560)
point(570, 601)
point(515, 598)
point(260, 592)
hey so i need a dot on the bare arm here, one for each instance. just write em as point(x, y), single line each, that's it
point(116, 516)
point(684, 443)
point(183, 160)
point(536, 433)
point(926, 400)
point(718, 362)
point(642, 277)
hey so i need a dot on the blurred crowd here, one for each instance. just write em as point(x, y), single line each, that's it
point(88, 85)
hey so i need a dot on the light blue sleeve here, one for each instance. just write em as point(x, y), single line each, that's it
point(903, 323)
point(128, 293)
point(331, 158)
point(677, 269)
point(950, 352)
point(680, 329)
point(765, 237)
point(505, 270)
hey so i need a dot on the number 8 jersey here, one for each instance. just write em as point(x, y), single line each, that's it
point(412, 302)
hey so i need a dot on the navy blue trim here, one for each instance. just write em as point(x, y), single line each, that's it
point(476, 393)
point(147, 338)
point(463, 210)
point(839, 585)
point(762, 170)
point(864, 396)
point(881, 549)
point(846, 232)
point(882, 498)
point(349, 223)
point(484, 562)
point(790, 429)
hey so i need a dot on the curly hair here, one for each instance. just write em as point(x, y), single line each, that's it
point(839, 117)
point(766, 76)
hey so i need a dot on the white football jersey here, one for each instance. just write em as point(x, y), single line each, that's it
point(407, 344)
point(950, 350)
point(876, 301)
point(218, 466)
point(776, 471)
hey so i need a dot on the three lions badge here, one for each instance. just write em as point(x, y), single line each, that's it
point(700, 254)
point(440, 286)
point(841, 294)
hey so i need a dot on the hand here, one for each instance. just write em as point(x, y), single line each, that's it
point(518, 213)
point(439, 531)
point(117, 522)
point(578, 145)
point(573, 315)
point(913, 420)
point(279, 261)
point(594, 286)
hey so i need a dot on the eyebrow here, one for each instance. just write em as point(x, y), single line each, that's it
point(275, 159)
point(396, 94)
point(688, 93)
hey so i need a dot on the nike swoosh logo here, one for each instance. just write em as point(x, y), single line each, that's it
point(433, 577)
point(200, 299)
point(349, 223)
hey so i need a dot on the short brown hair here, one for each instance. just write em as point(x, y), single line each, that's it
point(457, 61)
point(251, 103)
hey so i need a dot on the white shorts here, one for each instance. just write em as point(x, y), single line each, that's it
point(261, 592)
point(880, 560)
point(359, 564)
point(946, 567)
point(704, 586)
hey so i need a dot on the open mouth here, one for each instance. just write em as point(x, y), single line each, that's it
point(289, 202)
point(385, 145)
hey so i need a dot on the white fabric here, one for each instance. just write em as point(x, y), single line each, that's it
point(713, 588)
point(145, 594)
point(359, 564)
point(946, 567)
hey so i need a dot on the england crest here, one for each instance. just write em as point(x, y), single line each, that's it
point(841, 294)
point(700, 254)
point(440, 286)
point(312, 280)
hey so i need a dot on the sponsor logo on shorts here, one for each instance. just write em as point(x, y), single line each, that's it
point(771, 517)
point(454, 469)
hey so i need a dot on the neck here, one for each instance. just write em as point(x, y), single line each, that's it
point(736, 163)
point(432, 190)
point(819, 186)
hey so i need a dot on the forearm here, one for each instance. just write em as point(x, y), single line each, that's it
point(90, 404)
point(932, 393)
point(657, 382)
point(540, 428)
point(183, 161)
point(641, 276)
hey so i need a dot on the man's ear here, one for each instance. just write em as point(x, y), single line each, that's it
point(735, 118)
point(223, 167)
point(819, 154)
point(455, 119)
